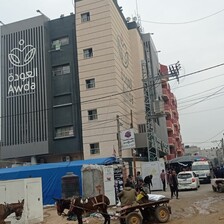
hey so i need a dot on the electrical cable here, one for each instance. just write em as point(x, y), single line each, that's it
point(120, 93)
point(201, 111)
point(203, 99)
point(197, 82)
point(182, 23)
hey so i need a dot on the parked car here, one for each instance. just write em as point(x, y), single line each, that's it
point(188, 180)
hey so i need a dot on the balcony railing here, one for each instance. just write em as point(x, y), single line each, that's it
point(171, 141)
point(166, 94)
point(169, 125)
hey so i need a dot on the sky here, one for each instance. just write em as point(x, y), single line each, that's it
point(188, 31)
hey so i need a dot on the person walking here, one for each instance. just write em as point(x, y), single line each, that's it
point(163, 179)
point(138, 178)
point(173, 181)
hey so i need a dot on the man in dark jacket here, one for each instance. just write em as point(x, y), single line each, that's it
point(148, 181)
point(173, 181)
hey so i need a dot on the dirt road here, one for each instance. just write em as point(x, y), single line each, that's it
point(194, 207)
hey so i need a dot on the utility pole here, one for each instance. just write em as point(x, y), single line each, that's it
point(148, 78)
point(133, 150)
point(119, 138)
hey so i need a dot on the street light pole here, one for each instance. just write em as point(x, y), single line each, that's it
point(119, 138)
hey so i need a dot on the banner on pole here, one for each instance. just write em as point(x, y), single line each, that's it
point(127, 139)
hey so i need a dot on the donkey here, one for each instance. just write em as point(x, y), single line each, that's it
point(98, 203)
point(8, 209)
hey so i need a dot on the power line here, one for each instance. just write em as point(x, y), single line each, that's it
point(180, 99)
point(186, 75)
point(188, 103)
point(120, 93)
point(186, 22)
point(201, 111)
point(197, 82)
point(208, 140)
point(203, 98)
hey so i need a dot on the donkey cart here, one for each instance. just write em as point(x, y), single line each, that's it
point(145, 212)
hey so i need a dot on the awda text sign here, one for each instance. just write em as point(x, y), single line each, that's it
point(127, 139)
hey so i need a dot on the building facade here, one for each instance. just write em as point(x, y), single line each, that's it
point(40, 90)
point(70, 86)
point(110, 55)
point(172, 117)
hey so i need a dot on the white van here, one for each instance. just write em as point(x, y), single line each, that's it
point(204, 170)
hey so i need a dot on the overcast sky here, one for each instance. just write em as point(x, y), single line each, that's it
point(190, 31)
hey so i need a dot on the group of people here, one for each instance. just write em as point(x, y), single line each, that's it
point(171, 178)
point(133, 187)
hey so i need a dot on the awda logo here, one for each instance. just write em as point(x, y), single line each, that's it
point(22, 82)
point(20, 57)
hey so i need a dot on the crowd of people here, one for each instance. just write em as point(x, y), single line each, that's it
point(133, 187)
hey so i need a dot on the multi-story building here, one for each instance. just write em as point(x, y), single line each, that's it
point(40, 100)
point(71, 85)
point(172, 117)
point(110, 52)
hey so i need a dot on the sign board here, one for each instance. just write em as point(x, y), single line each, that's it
point(127, 139)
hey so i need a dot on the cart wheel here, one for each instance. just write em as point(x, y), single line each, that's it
point(133, 218)
point(162, 214)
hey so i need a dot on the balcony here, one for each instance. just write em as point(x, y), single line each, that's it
point(171, 141)
point(167, 108)
point(175, 122)
point(177, 136)
point(169, 125)
point(166, 94)
point(174, 108)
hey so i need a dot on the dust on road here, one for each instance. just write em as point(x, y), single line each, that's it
point(194, 207)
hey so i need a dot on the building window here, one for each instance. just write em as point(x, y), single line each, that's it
point(88, 53)
point(90, 83)
point(141, 128)
point(56, 44)
point(85, 17)
point(92, 114)
point(94, 148)
point(61, 132)
point(61, 70)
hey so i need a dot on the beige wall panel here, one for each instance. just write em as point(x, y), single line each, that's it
point(103, 33)
point(90, 5)
point(100, 40)
point(99, 72)
point(93, 66)
point(86, 34)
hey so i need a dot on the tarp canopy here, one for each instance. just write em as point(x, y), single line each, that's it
point(51, 174)
point(185, 159)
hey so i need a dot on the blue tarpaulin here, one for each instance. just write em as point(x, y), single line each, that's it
point(51, 174)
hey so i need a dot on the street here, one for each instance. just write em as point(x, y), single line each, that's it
point(201, 206)
point(193, 207)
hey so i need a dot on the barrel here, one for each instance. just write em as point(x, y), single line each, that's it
point(70, 185)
